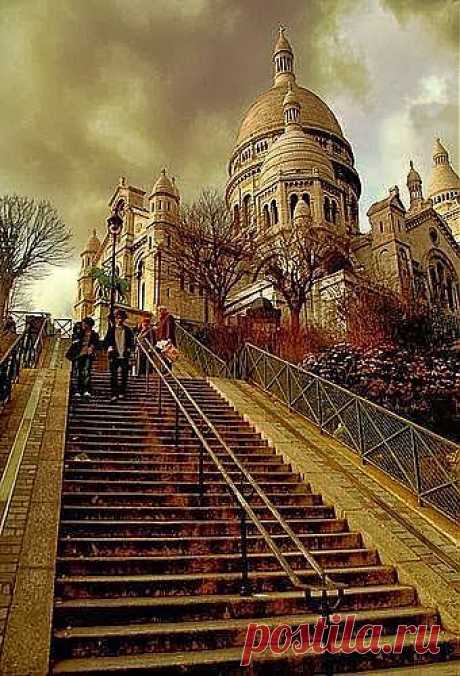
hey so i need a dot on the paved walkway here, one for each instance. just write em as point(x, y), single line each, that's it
point(29, 505)
point(425, 556)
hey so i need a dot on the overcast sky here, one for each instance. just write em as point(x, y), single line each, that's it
point(95, 89)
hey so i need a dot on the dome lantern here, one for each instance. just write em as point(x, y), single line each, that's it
point(414, 186)
point(291, 108)
point(283, 58)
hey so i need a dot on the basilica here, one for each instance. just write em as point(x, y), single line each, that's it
point(290, 160)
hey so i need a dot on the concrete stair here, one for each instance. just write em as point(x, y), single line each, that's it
point(148, 573)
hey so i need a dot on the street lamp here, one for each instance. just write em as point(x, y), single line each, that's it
point(114, 227)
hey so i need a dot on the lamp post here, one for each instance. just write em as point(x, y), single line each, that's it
point(114, 227)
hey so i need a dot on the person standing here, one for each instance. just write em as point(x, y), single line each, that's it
point(85, 346)
point(119, 343)
point(166, 331)
point(146, 331)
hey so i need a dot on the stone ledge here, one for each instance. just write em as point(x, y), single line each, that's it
point(26, 646)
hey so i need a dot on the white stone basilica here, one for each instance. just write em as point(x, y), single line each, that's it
point(291, 157)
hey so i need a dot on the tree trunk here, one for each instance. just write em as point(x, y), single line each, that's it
point(295, 321)
point(219, 318)
point(5, 290)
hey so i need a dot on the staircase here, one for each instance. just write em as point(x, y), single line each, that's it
point(148, 577)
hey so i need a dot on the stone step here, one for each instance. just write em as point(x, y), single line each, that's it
point(115, 640)
point(109, 546)
point(99, 507)
point(87, 611)
point(209, 475)
point(76, 492)
point(227, 660)
point(166, 487)
point(78, 586)
point(143, 563)
point(212, 526)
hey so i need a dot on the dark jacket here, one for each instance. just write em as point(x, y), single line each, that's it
point(77, 343)
point(109, 341)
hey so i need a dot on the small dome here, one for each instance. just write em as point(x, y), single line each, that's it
point(282, 44)
point(163, 185)
point(93, 243)
point(443, 177)
point(413, 176)
point(302, 210)
point(293, 153)
point(438, 149)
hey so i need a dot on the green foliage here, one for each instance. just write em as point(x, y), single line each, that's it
point(104, 279)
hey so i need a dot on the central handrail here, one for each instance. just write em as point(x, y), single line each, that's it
point(326, 582)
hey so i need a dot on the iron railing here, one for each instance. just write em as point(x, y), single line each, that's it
point(206, 361)
point(24, 352)
point(10, 366)
point(327, 595)
point(62, 327)
point(419, 459)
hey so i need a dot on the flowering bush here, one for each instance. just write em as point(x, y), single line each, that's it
point(420, 386)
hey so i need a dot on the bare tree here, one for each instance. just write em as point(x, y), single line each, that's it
point(211, 250)
point(32, 237)
point(297, 255)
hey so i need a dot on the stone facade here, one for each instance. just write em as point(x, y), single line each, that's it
point(141, 258)
point(291, 153)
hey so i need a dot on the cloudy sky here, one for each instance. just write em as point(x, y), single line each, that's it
point(95, 89)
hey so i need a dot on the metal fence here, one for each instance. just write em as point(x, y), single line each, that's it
point(62, 327)
point(422, 461)
point(206, 361)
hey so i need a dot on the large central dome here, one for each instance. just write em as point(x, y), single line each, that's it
point(266, 113)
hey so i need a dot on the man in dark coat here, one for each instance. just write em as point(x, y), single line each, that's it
point(84, 345)
point(119, 343)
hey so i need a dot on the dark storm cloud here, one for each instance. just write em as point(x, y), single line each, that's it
point(92, 89)
point(98, 88)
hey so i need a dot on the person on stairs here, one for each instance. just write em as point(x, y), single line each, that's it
point(166, 332)
point(146, 331)
point(119, 343)
point(85, 346)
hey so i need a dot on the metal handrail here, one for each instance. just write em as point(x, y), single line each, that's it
point(210, 364)
point(326, 582)
point(33, 352)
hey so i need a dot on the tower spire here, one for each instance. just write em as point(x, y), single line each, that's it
point(283, 59)
point(414, 186)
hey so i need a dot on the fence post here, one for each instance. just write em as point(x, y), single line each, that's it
point(361, 442)
point(320, 407)
point(289, 386)
point(418, 479)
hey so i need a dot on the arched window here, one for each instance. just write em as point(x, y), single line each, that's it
point(273, 212)
point(327, 209)
point(266, 213)
point(236, 214)
point(292, 203)
point(334, 211)
point(306, 198)
point(140, 269)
